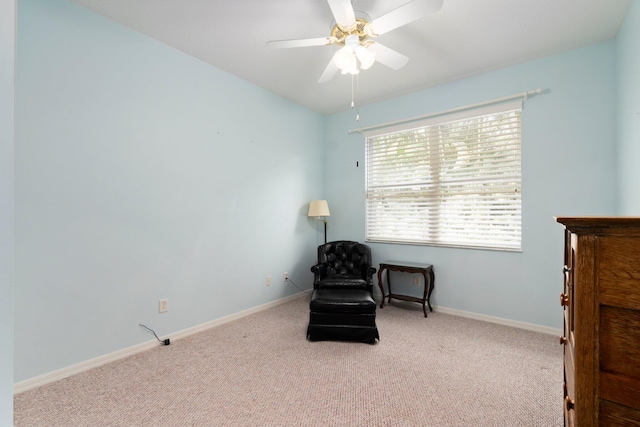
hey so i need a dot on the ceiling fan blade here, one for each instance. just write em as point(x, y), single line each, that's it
point(329, 72)
point(342, 12)
point(320, 41)
point(403, 15)
point(388, 57)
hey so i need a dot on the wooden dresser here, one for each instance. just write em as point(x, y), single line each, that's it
point(601, 301)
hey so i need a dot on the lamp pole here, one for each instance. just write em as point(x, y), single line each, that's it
point(325, 230)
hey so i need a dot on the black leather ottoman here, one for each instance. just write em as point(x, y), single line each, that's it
point(342, 314)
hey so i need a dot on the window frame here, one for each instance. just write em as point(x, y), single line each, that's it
point(509, 231)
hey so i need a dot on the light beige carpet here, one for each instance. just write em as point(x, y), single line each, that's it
point(260, 371)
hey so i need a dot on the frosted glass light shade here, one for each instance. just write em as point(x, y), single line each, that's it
point(318, 208)
point(342, 58)
point(365, 56)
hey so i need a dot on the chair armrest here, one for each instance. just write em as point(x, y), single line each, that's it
point(368, 272)
point(367, 275)
point(319, 271)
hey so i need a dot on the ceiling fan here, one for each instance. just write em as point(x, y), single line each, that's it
point(356, 36)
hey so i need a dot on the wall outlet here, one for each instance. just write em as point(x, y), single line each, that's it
point(285, 277)
point(268, 281)
point(416, 280)
point(163, 305)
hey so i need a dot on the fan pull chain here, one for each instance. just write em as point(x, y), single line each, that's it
point(357, 103)
point(354, 96)
point(352, 102)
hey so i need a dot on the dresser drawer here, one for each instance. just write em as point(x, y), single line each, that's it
point(618, 271)
point(615, 415)
point(619, 335)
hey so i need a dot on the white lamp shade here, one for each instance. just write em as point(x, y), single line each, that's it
point(318, 208)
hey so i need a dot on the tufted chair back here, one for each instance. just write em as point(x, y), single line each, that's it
point(343, 264)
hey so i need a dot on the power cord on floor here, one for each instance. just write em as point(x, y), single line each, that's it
point(166, 342)
point(299, 288)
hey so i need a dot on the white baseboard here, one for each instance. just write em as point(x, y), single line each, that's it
point(68, 371)
point(485, 318)
point(204, 326)
point(500, 321)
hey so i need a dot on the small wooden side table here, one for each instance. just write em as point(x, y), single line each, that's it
point(408, 267)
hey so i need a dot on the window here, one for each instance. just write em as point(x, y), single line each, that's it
point(452, 180)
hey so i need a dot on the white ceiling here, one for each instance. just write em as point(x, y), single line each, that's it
point(464, 38)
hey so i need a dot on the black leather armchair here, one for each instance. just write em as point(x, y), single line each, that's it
point(342, 305)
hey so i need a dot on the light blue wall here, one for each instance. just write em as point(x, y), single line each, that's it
point(7, 133)
point(143, 173)
point(628, 55)
point(569, 159)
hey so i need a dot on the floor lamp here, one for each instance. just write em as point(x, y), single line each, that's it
point(320, 210)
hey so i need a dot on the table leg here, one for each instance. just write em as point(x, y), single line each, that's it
point(425, 293)
point(381, 285)
point(389, 284)
point(432, 284)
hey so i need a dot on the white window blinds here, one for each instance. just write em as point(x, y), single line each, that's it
point(453, 180)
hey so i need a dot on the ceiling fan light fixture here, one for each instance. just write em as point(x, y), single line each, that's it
point(365, 56)
point(351, 65)
point(353, 57)
point(343, 58)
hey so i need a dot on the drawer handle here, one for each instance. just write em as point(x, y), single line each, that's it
point(570, 404)
point(563, 340)
point(566, 269)
point(564, 300)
